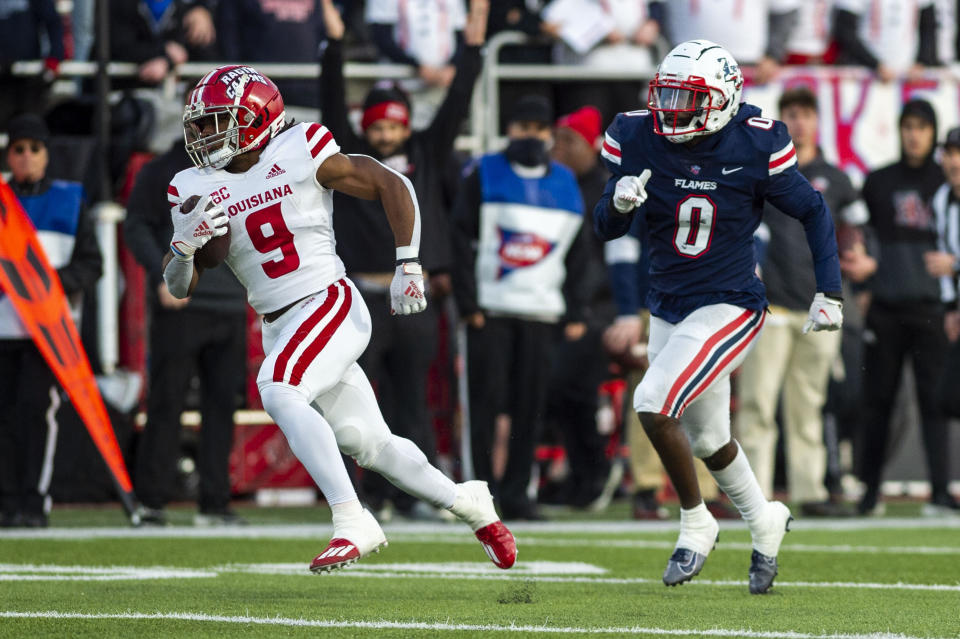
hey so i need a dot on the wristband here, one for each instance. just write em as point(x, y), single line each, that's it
point(407, 254)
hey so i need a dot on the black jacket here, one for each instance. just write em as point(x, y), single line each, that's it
point(365, 242)
point(898, 197)
point(147, 231)
point(136, 36)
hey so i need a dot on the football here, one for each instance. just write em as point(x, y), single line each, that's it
point(214, 252)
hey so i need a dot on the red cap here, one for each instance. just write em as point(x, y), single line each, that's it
point(396, 111)
point(585, 121)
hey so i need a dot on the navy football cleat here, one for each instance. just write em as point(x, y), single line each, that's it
point(762, 571)
point(684, 565)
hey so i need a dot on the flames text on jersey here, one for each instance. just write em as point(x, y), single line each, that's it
point(696, 185)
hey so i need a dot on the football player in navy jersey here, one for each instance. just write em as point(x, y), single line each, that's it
point(698, 166)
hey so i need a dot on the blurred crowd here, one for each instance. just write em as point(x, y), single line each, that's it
point(543, 372)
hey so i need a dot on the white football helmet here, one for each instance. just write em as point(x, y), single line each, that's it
point(696, 91)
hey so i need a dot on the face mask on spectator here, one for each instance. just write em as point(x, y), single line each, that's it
point(528, 152)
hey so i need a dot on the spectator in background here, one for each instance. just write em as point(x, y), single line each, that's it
point(635, 29)
point(892, 37)
point(160, 34)
point(522, 16)
point(945, 264)
point(401, 350)
point(29, 30)
point(422, 33)
point(518, 274)
point(275, 31)
point(755, 32)
point(947, 32)
point(580, 365)
point(811, 41)
point(204, 333)
point(29, 396)
point(787, 362)
point(906, 315)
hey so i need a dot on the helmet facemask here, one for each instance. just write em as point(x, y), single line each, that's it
point(696, 91)
point(232, 110)
point(218, 148)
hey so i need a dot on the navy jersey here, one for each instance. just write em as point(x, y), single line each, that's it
point(704, 203)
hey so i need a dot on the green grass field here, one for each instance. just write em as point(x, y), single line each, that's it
point(91, 576)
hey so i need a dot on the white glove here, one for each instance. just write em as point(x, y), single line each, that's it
point(826, 314)
point(631, 192)
point(194, 229)
point(406, 290)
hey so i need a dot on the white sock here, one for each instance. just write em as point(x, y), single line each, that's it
point(741, 486)
point(345, 512)
point(698, 529)
point(311, 439)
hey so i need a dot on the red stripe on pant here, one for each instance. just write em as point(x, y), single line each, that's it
point(311, 352)
point(701, 356)
point(723, 364)
point(280, 368)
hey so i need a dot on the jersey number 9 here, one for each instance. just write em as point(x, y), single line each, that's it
point(280, 237)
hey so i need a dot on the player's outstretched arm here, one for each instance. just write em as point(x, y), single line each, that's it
point(362, 176)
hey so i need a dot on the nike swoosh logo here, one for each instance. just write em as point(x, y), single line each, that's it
point(727, 171)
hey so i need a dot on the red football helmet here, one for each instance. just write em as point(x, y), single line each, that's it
point(232, 110)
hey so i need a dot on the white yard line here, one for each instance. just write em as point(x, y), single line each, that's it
point(434, 627)
point(302, 531)
point(546, 572)
point(456, 535)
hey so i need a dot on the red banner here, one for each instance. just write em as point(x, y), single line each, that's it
point(35, 290)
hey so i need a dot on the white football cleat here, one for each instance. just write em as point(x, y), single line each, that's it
point(350, 544)
point(474, 506)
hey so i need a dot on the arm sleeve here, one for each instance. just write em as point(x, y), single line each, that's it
point(333, 95)
point(456, 105)
point(466, 232)
point(382, 36)
point(927, 50)
point(790, 192)
point(845, 33)
point(607, 222)
point(50, 19)
point(86, 263)
point(628, 265)
point(781, 26)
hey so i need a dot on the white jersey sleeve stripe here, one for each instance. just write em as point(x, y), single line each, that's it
point(610, 141)
point(783, 159)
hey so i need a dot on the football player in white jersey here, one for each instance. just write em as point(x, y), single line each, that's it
point(271, 183)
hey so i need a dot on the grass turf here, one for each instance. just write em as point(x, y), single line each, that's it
point(817, 592)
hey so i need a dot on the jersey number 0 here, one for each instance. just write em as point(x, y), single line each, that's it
point(695, 217)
